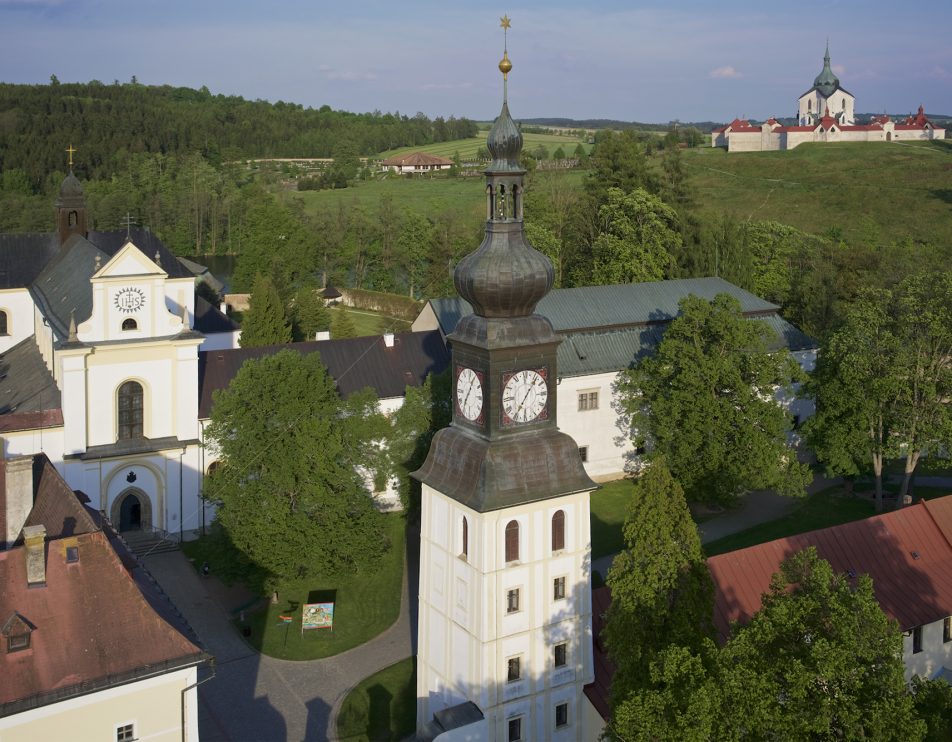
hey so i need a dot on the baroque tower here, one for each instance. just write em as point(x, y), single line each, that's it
point(505, 553)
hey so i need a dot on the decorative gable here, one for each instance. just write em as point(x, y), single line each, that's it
point(129, 261)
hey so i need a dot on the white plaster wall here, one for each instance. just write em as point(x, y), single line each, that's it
point(105, 376)
point(746, 141)
point(604, 431)
point(466, 635)
point(935, 655)
point(37, 440)
point(221, 341)
point(43, 337)
point(19, 308)
point(154, 705)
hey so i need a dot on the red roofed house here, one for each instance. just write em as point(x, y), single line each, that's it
point(907, 553)
point(416, 163)
point(825, 114)
point(85, 653)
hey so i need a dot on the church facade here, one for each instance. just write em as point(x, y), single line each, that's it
point(100, 335)
point(825, 113)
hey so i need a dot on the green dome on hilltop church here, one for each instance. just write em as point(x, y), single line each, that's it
point(826, 82)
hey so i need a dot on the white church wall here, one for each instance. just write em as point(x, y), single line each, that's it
point(17, 304)
point(936, 651)
point(34, 441)
point(600, 431)
point(43, 336)
point(220, 341)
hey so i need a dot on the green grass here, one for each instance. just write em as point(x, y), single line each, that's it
point(374, 323)
point(367, 603)
point(382, 707)
point(876, 193)
point(830, 507)
point(609, 505)
point(467, 148)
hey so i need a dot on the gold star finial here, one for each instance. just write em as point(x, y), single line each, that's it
point(504, 22)
point(70, 150)
point(504, 64)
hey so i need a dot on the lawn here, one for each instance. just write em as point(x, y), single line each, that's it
point(874, 193)
point(382, 707)
point(374, 323)
point(367, 603)
point(609, 506)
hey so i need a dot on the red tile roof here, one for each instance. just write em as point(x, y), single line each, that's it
point(907, 553)
point(92, 627)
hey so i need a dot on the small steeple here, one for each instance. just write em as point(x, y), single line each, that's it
point(70, 205)
point(505, 276)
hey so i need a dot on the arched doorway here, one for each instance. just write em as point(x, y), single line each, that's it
point(132, 511)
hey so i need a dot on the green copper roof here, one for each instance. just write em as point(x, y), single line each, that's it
point(826, 82)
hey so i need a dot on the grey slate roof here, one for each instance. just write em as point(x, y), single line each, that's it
point(209, 319)
point(113, 241)
point(610, 328)
point(23, 257)
point(63, 288)
point(26, 384)
point(354, 363)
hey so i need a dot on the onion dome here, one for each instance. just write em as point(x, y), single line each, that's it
point(826, 82)
point(504, 143)
point(71, 193)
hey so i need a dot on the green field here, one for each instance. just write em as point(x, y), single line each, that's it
point(467, 148)
point(876, 193)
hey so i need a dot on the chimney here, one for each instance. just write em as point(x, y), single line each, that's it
point(35, 539)
point(16, 497)
point(388, 339)
point(322, 335)
point(223, 307)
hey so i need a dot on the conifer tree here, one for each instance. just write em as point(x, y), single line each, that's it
point(265, 322)
point(342, 325)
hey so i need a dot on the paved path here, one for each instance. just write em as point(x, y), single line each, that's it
point(258, 698)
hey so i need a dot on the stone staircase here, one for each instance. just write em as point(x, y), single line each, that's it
point(143, 543)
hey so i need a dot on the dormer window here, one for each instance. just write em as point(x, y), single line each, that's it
point(129, 324)
point(17, 630)
point(72, 554)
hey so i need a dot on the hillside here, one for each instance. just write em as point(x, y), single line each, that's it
point(467, 148)
point(873, 194)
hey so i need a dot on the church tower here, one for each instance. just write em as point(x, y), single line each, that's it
point(505, 553)
point(70, 209)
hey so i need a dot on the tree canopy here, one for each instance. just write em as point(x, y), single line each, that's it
point(265, 322)
point(287, 487)
point(705, 401)
point(661, 590)
point(819, 660)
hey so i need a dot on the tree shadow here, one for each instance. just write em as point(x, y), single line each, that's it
point(943, 194)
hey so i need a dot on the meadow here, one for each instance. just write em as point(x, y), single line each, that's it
point(872, 194)
point(467, 148)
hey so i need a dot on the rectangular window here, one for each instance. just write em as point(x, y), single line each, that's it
point(72, 554)
point(583, 453)
point(513, 669)
point(515, 729)
point(126, 733)
point(16, 642)
point(917, 640)
point(587, 401)
point(560, 654)
point(561, 715)
point(512, 600)
point(558, 588)
point(947, 630)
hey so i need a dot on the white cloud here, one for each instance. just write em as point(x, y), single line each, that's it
point(838, 69)
point(724, 73)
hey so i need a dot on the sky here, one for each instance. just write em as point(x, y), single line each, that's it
point(648, 61)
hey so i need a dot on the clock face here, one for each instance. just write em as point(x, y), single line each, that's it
point(469, 394)
point(129, 300)
point(524, 396)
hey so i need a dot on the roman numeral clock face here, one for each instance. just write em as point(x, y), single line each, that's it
point(469, 394)
point(524, 396)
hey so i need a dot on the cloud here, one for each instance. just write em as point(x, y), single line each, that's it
point(941, 73)
point(838, 69)
point(330, 73)
point(724, 73)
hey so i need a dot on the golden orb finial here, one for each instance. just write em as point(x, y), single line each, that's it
point(504, 64)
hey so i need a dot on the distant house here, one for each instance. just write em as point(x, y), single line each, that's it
point(91, 649)
point(825, 113)
point(416, 163)
point(907, 553)
point(607, 329)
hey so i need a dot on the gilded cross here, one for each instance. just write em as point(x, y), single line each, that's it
point(71, 149)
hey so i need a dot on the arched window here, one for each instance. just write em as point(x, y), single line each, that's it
point(3, 324)
point(844, 104)
point(130, 410)
point(558, 530)
point(73, 218)
point(512, 541)
point(465, 552)
point(129, 324)
point(809, 106)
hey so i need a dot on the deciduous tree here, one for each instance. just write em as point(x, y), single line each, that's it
point(287, 488)
point(706, 401)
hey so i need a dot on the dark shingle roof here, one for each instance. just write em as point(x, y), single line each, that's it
point(112, 242)
point(209, 319)
point(23, 257)
point(63, 289)
point(26, 385)
point(354, 363)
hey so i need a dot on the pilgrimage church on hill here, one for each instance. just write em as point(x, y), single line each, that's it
point(825, 113)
